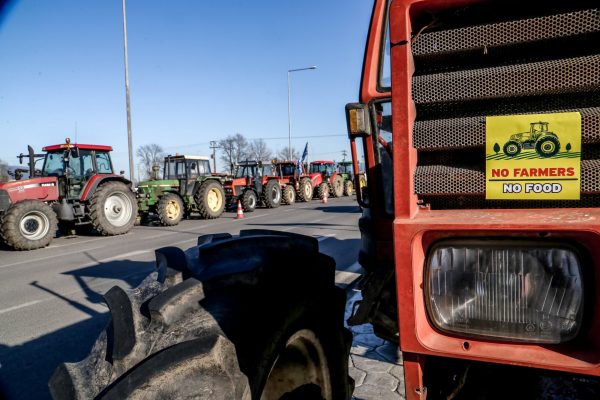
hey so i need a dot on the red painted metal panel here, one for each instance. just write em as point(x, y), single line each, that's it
point(44, 189)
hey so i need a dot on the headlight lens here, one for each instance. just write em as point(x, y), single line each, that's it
point(506, 290)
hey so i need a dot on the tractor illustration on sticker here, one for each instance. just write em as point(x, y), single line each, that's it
point(539, 138)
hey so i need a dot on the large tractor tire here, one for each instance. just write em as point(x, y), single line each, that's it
point(323, 190)
point(249, 200)
point(348, 188)
point(246, 327)
point(210, 200)
point(271, 195)
point(305, 190)
point(28, 225)
point(113, 209)
point(547, 146)
point(337, 186)
point(288, 195)
point(170, 209)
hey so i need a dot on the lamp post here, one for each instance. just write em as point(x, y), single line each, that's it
point(290, 106)
point(127, 100)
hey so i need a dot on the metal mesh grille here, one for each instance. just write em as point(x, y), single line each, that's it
point(470, 132)
point(550, 77)
point(507, 33)
point(474, 202)
point(442, 180)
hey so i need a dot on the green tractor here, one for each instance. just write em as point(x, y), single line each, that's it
point(187, 186)
point(545, 143)
point(346, 170)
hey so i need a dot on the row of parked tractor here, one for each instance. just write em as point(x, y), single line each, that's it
point(77, 188)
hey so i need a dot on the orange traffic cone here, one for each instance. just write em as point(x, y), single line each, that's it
point(324, 201)
point(240, 211)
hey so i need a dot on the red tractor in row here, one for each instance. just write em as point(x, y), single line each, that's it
point(253, 182)
point(325, 179)
point(295, 184)
point(76, 186)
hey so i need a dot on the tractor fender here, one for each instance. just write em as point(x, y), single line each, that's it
point(252, 249)
point(98, 180)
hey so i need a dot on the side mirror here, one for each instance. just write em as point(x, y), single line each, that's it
point(358, 120)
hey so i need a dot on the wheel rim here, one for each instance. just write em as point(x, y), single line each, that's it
point(251, 201)
point(548, 147)
point(302, 362)
point(276, 194)
point(173, 210)
point(214, 199)
point(511, 149)
point(118, 209)
point(34, 225)
point(307, 191)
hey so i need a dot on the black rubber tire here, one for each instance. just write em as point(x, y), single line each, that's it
point(348, 188)
point(540, 144)
point(167, 201)
point(305, 190)
point(97, 208)
point(249, 200)
point(271, 195)
point(512, 148)
point(220, 337)
point(288, 195)
point(323, 190)
point(36, 212)
point(204, 200)
point(337, 186)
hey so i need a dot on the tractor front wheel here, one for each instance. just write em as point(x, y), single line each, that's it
point(170, 209)
point(305, 191)
point(28, 225)
point(547, 146)
point(337, 187)
point(288, 195)
point(210, 200)
point(249, 200)
point(271, 195)
point(512, 148)
point(348, 188)
point(113, 209)
point(322, 190)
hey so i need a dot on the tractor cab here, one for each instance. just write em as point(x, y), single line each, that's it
point(74, 165)
point(187, 170)
point(286, 168)
point(345, 167)
point(325, 168)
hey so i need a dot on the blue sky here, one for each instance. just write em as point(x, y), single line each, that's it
point(199, 71)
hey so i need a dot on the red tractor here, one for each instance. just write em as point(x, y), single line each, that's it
point(295, 185)
point(325, 179)
point(75, 186)
point(252, 182)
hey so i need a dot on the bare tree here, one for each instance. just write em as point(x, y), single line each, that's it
point(148, 155)
point(234, 148)
point(259, 151)
point(3, 171)
point(284, 154)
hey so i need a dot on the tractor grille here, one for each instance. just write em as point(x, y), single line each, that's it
point(468, 67)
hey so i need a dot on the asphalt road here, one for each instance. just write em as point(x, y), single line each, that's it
point(51, 305)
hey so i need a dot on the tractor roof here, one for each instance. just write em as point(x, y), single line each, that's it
point(180, 156)
point(321, 162)
point(79, 146)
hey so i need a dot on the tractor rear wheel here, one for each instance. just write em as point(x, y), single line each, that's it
point(28, 225)
point(210, 200)
point(271, 195)
point(240, 335)
point(113, 209)
point(288, 195)
point(323, 190)
point(249, 200)
point(170, 209)
point(337, 186)
point(348, 188)
point(547, 146)
point(305, 190)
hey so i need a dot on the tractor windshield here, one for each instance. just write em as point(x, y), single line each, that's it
point(287, 169)
point(243, 171)
point(175, 169)
point(54, 164)
point(326, 168)
point(345, 168)
point(198, 168)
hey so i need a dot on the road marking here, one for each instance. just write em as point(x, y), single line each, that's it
point(121, 256)
point(30, 303)
point(325, 237)
point(47, 257)
point(349, 275)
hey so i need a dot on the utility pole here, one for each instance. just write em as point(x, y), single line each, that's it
point(214, 147)
point(127, 99)
point(344, 153)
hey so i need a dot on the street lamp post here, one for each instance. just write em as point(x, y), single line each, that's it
point(127, 100)
point(290, 106)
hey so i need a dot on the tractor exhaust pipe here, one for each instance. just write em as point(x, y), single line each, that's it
point(31, 161)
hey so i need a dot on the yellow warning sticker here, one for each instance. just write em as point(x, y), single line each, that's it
point(533, 157)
